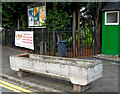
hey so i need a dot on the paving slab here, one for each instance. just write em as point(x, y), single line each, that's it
point(108, 57)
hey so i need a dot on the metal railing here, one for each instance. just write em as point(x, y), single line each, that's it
point(45, 42)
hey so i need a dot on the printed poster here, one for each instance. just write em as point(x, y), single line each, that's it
point(31, 17)
point(36, 16)
point(24, 39)
point(42, 15)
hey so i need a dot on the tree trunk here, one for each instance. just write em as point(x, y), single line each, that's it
point(78, 29)
point(59, 36)
point(18, 23)
point(97, 24)
point(74, 31)
point(43, 39)
point(54, 43)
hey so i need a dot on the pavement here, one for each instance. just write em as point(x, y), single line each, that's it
point(108, 83)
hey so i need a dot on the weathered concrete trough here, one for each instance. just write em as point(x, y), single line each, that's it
point(80, 72)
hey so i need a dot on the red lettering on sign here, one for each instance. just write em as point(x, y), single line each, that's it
point(26, 34)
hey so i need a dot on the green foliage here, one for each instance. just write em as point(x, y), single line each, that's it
point(57, 19)
point(0, 7)
point(57, 13)
point(86, 37)
point(11, 12)
point(23, 20)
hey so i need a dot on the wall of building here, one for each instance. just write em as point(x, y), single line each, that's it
point(110, 38)
point(119, 37)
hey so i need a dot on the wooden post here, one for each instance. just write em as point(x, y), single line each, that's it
point(74, 32)
point(76, 88)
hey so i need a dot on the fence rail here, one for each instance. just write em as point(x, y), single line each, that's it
point(45, 42)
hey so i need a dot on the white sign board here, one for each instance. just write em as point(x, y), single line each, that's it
point(24, 39)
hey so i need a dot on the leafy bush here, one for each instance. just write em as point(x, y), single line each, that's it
point(57, 19)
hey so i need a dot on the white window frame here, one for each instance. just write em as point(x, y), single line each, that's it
point(111, 23)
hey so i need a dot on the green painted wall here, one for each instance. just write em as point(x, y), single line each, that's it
point(110, 38)
point(119, 37)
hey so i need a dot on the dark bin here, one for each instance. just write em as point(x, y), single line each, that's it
point(61, 48)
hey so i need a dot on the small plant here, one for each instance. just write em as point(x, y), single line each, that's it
point(28, 87)
point(19, 84)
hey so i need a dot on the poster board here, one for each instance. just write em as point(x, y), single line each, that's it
point(31, 17)
point(24, 39)
point(37, 15)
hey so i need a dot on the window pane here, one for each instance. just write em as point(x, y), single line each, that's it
point(112, 17)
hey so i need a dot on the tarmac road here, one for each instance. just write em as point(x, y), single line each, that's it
point(9, 86)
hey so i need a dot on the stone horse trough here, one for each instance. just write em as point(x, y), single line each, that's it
point(79, 71)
